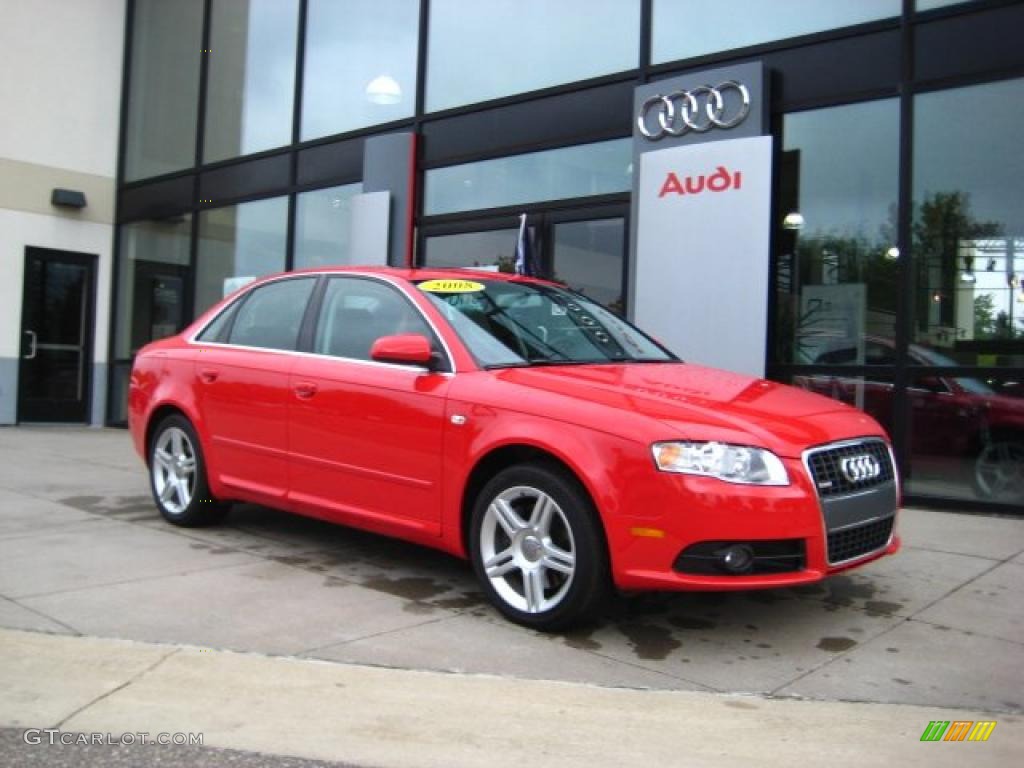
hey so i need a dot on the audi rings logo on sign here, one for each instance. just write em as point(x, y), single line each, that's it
point(857, 469)
point(698, 109)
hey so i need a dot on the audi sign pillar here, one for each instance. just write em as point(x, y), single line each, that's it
point(699, 242)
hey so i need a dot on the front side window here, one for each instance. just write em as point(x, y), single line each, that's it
point(356, 312)
point(272, 315)
point(521, 324)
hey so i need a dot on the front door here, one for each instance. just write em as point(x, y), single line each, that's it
point(56, 336)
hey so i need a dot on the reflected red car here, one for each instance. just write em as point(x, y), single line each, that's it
point(513, 422)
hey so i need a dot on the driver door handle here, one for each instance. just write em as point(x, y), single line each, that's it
point(305, 389)
point(33, 345)
point(208, 375)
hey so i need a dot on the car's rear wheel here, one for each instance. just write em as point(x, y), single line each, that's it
point(177, 475)
point(537, 548)
point(999, 470)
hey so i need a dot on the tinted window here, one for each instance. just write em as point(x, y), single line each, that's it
point(217, 330)
point(356, 312)
point(272, 314)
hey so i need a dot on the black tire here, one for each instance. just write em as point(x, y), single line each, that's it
point(182, 495)
point(530, 559)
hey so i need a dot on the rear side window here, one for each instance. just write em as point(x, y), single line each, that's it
point(217, 330)
point(271, 315)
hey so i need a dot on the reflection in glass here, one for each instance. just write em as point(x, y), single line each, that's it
point(966, 439)
point(589, 169)
point(588, 258)
point(968, 227)
point(485, 50)
point(739, 23)
point(251, 77)
point(872, 394)
point(153, 262)
point(238, 241)
point(360, 64)
point(323, 226)
point(494, 249)
point(163, 88)
point(836, 271)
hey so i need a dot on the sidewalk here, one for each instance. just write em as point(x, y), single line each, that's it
point(408, 719)
point(87, 567)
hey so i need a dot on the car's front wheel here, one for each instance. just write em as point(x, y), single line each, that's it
point(537, 548)
point(177, 476)
point(999, 470)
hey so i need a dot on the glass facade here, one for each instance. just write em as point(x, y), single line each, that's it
point(486, 50)
point(238, 243)
point(360, 66)
point(740, 23)
point(251, 80)
point(323, 226)
point(968, 226)
point(897, 245)
point(591, 169)
point(836, 276)
point(163, 87)
point(589, 258)
point(493, 249)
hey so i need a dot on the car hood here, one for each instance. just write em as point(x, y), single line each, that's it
point(692, 402)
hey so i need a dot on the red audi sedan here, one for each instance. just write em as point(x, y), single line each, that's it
point(513, 422)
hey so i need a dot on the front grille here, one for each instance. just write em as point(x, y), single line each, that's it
point(774, 556)
point(826, 465)
point(860, 540)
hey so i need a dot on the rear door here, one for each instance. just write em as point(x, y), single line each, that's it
point(241, 378)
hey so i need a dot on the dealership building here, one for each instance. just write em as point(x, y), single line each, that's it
point(827, 193)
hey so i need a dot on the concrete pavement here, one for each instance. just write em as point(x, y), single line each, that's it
point(85, 559)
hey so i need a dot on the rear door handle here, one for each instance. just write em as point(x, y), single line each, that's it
point(305, 389)
point(208, 375)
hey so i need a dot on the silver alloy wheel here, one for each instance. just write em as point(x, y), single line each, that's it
point(527, 549)
point(999, 470)
point(174, 470)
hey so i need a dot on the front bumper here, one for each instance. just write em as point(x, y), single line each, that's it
point(680, 513)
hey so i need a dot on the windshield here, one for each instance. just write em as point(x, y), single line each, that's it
point(517, 324)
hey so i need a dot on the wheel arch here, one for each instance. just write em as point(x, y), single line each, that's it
point(501, 457)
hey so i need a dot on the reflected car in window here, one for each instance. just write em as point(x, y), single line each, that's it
point(512, 422)
point(955, 420)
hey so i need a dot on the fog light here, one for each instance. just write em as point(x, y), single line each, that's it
point(738, 558)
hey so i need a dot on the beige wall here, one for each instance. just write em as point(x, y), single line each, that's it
point(60, 87)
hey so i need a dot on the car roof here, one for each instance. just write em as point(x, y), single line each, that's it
point(427, 273)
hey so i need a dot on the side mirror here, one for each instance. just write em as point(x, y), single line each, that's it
point(403, 349)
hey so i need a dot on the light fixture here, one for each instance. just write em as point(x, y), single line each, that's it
point(383, 89)
point(893, 253)
point(793, 220)
point(67, 198)
point(991, 265)
point(937, 297)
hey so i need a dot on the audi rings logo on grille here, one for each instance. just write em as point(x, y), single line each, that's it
point(856, 469)
point(698, 109)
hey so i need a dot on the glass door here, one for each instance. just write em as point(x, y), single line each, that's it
point(56, 333)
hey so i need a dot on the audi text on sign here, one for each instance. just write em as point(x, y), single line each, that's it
point(512, 422)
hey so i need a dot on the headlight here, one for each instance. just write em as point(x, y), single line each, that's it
point(732, 463)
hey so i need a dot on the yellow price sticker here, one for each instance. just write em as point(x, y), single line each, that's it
point(451, 286)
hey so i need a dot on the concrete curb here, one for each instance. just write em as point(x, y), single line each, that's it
point(404, 718)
